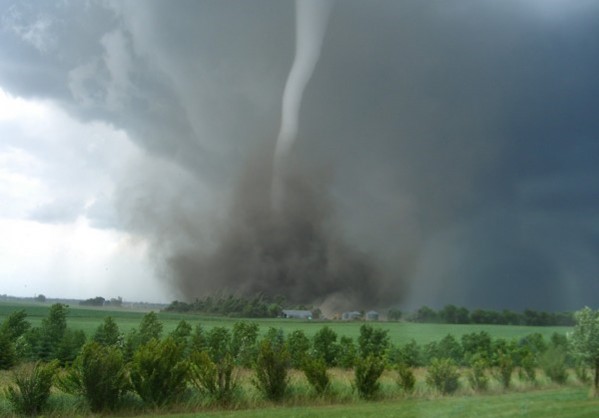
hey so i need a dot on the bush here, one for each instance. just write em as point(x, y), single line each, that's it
point(8, 353)
point(373, 341)
point(553, 363)
point(315, 370)
point(214, 378)
point(405, 378)
point(325, 345)
point(528, 365)
point(32, 390)
point(243, 343)
point(504, 369)
point(99, 376)
point(443, 375)
point(108, 333)
point(367, 373)
point(159, 372)
point(476, 375)
point(271, 367)
point(347, 353)
point(298, 346)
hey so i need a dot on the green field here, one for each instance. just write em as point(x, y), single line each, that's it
point(88, 319)
point(554, 403)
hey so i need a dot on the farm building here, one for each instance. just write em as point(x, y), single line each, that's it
point(297, 314)
point(351, 316)
point(372, 316)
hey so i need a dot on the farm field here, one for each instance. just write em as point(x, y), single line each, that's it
point(554, 403)
point(88, 319)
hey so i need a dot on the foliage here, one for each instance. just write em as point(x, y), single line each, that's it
point(150, 328)
point(325, 345)
point(69, 346)
point(394, 315)
point(182, 332)
point(347, 352)
point(585, 339)
point(159, 372)
point(553, 363)
point(477, 343)
point(8, 353)
point(98, 375)
point(410, 354)
point(373, 341)
point(367, 372)
point(443, 375)
point(315, 370)
point(504, 365)
point(298, 346)
point(33, 385)
point(405, 377)
point(214, 377)
point(15, 325)
point(108, 333)
point(271, 366)
point(244, 343)
point(477, 376)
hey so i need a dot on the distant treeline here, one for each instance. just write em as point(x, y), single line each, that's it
point(452, 314)
point(257, 307)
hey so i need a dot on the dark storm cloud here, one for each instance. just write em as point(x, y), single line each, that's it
point(458, 141)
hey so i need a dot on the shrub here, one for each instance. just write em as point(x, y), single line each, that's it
point(528, 364)
point(504, 366)
point(373, 341)
point(476, 375)
point(33, 385)
point(271, 366)
point(367, 373)
point(347, 353)
point(150, 328)
point(315, 370)
point(15, 325)
point(410, 354)
point(99, 376)
point(298, 346)
point(553, 363)
point(443, 375)
point(243, 343)
point(214, 378)
point(69, 346)
point(325, 345)
point(159, 372)
point(108, 333)
point(8, 353)
point(405, 377)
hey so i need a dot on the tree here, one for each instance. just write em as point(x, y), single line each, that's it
point(325, 345)
point(585, 339)
point(271, 366)
point(108, 333)
point(394, 315)
point(150, 327)
point(98, 375)
point(373, 341)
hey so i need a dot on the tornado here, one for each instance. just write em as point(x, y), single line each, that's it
point(311, 23)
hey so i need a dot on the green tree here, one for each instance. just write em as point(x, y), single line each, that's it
point(31, 389)
point(271, 366)
point(108, 333)
point(315, 370)
point(585, 339)
point(99, 376)
point(367, 372)
point(325, 345)
point(15, 325)
point(373, 341)
point(8, 354)
point(244, 342)
point(443, 375)
point(159, 372)
point(394, 315)
point(298, 346)
point(150, 327)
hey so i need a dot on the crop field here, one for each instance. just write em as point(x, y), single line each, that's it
point(555, 403)
point(88, 319)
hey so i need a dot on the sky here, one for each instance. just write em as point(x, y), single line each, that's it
point(446, 152)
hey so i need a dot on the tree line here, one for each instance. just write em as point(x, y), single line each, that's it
point(259, 306)
point(111, 368)
point(452, 314)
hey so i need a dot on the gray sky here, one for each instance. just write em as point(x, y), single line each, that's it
point(456, 143)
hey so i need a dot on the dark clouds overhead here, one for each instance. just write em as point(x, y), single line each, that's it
point(458, 139)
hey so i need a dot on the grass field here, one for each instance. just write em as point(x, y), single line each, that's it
point(554, 403)
point(88, 319)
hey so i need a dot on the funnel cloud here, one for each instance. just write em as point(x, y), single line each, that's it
point(429, 152)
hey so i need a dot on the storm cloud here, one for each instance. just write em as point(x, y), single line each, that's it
point(447, 152)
